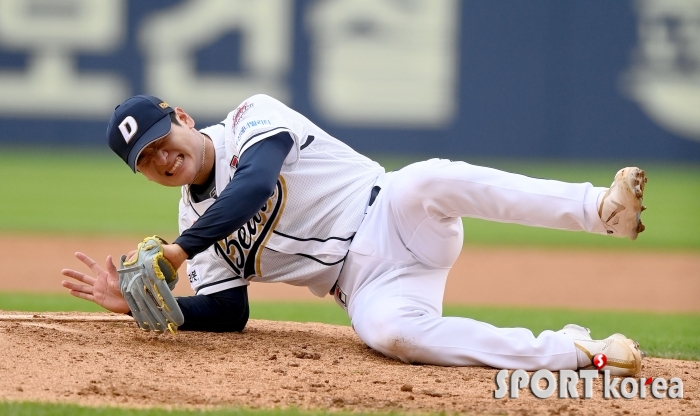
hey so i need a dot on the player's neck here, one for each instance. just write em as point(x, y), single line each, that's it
point(208, 162)
point(199, 193)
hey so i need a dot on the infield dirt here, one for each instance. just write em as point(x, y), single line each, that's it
point(270, 364)
point(102, 359)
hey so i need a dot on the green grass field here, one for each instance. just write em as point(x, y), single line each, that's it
point(62, 191)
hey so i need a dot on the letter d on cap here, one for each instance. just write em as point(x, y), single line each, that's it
point(128, 127)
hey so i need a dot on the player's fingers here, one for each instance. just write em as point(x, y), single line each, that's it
point(111, 268)
point(85, 259)
point(82, 295)
point(78, 276)
point(92, 264)
point(74, 287)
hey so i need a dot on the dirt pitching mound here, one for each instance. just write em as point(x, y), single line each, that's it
point(103, 359)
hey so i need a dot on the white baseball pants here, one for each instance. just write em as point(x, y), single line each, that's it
point(395, 273)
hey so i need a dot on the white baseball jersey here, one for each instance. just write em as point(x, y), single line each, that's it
point(395, 254)
point(302, 234)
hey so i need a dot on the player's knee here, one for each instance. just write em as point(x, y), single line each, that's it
point(425, 179)
point(390, 336)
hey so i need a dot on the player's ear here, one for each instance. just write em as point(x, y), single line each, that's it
point(184, 118)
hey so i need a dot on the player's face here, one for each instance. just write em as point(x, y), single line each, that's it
point(175, 159)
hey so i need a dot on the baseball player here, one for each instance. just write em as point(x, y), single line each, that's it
point(268, 196)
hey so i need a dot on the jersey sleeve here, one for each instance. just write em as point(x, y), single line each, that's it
point(206, 271)
point(260, 117)
point(244, 195)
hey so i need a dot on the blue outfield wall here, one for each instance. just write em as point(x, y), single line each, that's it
point(520, 78)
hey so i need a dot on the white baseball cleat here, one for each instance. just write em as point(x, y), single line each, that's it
point(621, 206)
point(634, 343)
point(624, 359)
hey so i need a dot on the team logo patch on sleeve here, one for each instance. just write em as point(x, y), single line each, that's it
point(238, 115)
point(234, 162)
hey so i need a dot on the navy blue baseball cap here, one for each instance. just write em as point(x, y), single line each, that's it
point(136, 123)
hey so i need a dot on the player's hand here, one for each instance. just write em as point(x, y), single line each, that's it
point(175, 254)
point(102, 289)
point(172, 252)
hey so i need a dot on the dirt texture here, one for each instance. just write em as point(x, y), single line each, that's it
point(103, 359)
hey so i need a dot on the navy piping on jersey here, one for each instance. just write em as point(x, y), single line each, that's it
point(265, 132)
point(319, 261)
point(312, 238)
point(217, 282)
point(312, 258)
point(255, 180)
point(306, 144)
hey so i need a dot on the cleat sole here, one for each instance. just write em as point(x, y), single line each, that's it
point(621, 206)
point(637, 183)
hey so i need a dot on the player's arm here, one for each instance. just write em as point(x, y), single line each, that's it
point(224, 311)
point(251, 186)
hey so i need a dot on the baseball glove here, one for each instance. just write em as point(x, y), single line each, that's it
point(146, 283)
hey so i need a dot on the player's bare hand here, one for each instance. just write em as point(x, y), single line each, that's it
point(103, 289)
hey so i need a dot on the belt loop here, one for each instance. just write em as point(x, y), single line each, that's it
point(340, 297)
